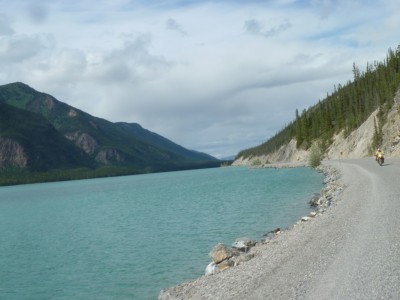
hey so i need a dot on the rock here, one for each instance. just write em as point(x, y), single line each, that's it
point(243, 244)
point(225, 264)
point(312, 214)
point(315, 201)
point(211, 269)
point(305, 219)
point(12, 154)
point(271, 233)
point(220, 253)
point(237, 260)
point(107, 156)
point(165, 295)
point(84, 141)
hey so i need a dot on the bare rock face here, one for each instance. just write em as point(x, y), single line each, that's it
point(108, 156)
point(84, 141)
point(72, 113)
point(356, 144)
point(49, 102)
point(12, 154)
point(87, 143)
point(287, 154)
point(391, 130)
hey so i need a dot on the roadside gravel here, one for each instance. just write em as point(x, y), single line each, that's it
point(351, 251)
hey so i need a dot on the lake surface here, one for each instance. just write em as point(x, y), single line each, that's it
point(129, 237)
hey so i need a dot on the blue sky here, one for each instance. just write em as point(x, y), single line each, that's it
point(214, 76)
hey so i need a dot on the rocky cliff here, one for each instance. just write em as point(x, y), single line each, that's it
point(84, 141)
point(391, 130)
point(285, 154)
point(12, 154)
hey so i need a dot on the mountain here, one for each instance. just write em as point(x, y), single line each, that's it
point(55, 135)
point(353, 121)
point(29, 140)
point(155, 139)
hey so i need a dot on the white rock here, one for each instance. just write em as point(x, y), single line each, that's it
point(211, 269)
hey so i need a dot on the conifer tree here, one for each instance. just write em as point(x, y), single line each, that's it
point(299, 135)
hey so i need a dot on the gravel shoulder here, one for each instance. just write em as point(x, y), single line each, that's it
point(350, 251)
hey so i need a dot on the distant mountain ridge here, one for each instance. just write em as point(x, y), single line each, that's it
point(54, 135)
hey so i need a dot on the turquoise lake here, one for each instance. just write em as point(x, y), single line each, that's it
point(129, 237)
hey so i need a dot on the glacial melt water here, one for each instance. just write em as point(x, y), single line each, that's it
point(129, 237)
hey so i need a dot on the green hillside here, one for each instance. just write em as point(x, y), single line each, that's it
point(45, 147)
point(152, 138)
point(59, 136)
point(344, 110)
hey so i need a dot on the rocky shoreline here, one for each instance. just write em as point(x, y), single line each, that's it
point(244, 249)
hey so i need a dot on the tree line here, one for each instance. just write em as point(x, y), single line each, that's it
point(344, 110)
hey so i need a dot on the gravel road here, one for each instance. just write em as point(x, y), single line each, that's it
point(352, 251)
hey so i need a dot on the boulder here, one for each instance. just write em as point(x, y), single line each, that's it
point(312, 214)
point(211, 269)
point(315, 201)
point(225, 264)
point(220, 253)
point(243, 244)
point(271, 233)
point(237, 260)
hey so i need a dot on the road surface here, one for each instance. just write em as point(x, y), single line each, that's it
point(352, 251)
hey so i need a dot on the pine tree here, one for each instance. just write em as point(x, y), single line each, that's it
point(299, 135)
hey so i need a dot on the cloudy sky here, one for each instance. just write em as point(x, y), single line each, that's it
point(213, 76)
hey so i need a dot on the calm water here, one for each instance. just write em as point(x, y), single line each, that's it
point(128, 237)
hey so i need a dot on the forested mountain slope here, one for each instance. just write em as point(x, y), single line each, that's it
point(53, 135)
point(29, 140)
point(370, 99)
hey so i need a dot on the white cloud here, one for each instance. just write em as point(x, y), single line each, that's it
point(213, 76)
point(258, 28)
point(19, 48)
point(5, 26)
point(172, 24)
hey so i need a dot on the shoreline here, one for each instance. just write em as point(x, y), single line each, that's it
point(321, 202)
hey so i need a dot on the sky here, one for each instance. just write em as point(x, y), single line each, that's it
point(212, 76)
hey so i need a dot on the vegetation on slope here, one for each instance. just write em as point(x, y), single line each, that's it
point(344, 110)
point(62, 142)
point(138, 147)
point(45, 147)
